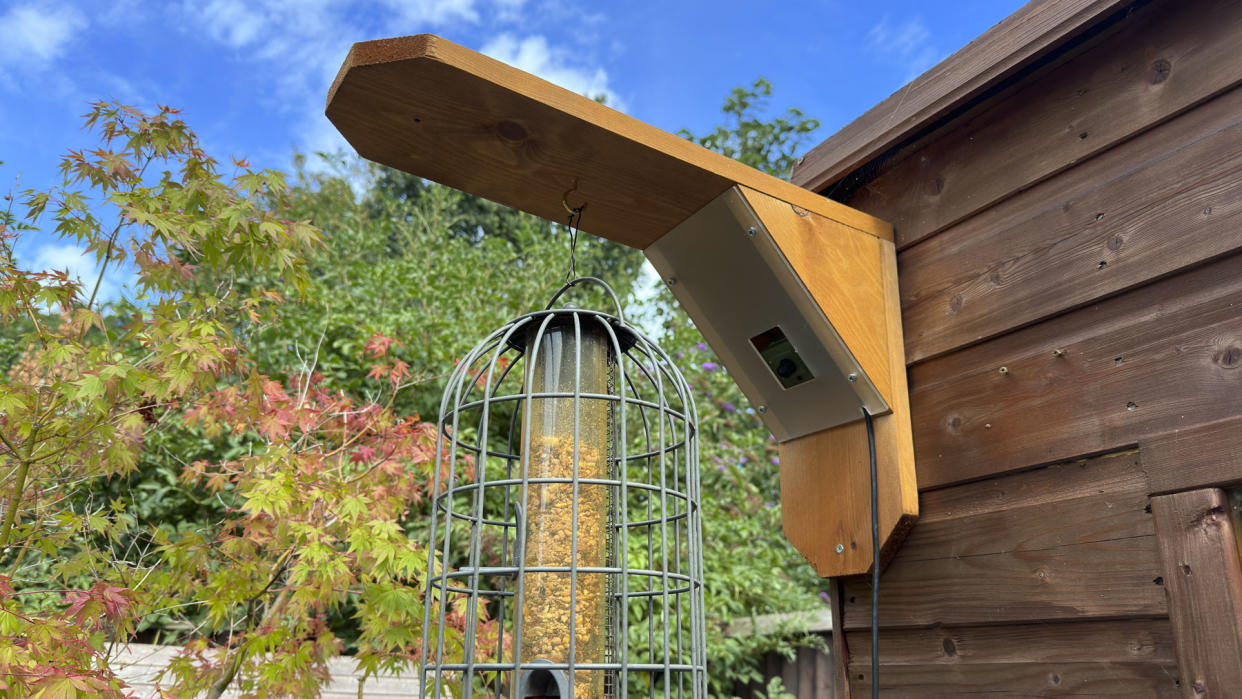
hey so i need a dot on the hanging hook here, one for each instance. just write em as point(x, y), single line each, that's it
point(575, 220)
point(565, 200)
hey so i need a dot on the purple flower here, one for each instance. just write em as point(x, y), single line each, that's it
point(776, 461)
point(826, 598)
point(741, 460)
point(710, 366)
point(721, 468)
point(701, 347)
point(679, 354)
point(769, 504)
point(728, 407)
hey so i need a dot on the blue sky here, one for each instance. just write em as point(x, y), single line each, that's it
point(251, 75)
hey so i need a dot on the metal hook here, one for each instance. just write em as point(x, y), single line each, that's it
point(565, 200)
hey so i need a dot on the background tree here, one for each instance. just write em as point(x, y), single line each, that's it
point(235, 459)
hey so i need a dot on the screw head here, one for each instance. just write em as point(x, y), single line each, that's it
point(750, 232)
point(1004, 370)
point(763, 409)
point(852, 377)
point(840, 548)
point(671, 281)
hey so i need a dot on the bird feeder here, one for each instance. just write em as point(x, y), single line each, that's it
point(565, 523)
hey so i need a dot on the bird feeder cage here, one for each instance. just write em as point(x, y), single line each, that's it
point(565, 535)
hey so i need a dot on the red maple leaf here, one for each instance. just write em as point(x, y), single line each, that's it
point(400, 370)
point(378, 345)
point(362, 455)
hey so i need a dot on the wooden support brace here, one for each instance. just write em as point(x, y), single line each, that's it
point(1198, 534)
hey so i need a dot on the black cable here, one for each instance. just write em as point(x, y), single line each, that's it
point(875, 563)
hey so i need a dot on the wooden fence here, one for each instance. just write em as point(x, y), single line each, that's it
point(140, 665)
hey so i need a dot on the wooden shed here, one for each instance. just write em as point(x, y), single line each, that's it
point(1066, 193)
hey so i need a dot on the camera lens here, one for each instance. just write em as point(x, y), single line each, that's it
point(786, 368)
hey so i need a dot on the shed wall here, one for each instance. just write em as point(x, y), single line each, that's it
point(1071, 284)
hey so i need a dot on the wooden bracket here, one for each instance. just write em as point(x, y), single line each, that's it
point(437, 110)
point(826, 476)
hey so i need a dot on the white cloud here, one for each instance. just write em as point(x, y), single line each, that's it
point(908, 44)
point(509, 10)
point(82, 267)
point(37, 33)
point(433, 12)
point(232, 22)
point(533, 55)
point(300, 45)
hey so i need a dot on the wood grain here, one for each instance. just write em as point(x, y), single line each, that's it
point(899, 420)
point(843, 271)
point(1167, 58)
point(825, 476)
point(826, 496)
point(1118, 472)
point(1156, 204)
point(1106, 579)
point(1036, 527)
point(1035, 30)
point(1130, 658)
point(1194, 457)
point(840, 646)
point(1066, 541)
point(440, 111)
point(1200, 548)
point(1164, 355)
point(808, 675)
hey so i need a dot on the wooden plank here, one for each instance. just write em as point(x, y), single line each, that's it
point(1168, 57)
point(1126, 640)
point(789, 673)
point(840, 647)
point(1090, 517)
point(1118, 472)
point(1069, 540)
point(1126, 680)
point(825, 476)
point(805, 665)
point(843, 271)
point(826, 496)
point(1164, 201)
point(1200, 548)
point(817, 621)
point(441, 111)
point(1105, 579)
point(1034, 31)
point(140, 665)
point(1194, 457)
point(823, 676)
point(1161, 356)
point(900, 419)
point(1130, 658)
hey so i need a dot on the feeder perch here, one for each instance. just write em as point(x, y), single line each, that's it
point(797, 294)
point(566, 516)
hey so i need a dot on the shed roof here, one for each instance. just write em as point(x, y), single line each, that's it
point(1037, 31)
